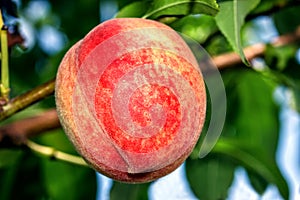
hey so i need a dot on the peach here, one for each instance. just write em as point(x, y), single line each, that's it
point(131, 98)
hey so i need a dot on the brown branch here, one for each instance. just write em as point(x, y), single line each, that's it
point(256, 50)
point(230, 59)
point(17, 132)
point(27, 99)
point(20, 130)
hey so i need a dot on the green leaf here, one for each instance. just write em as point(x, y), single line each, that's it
point(60, 176)
point(248, 90)
point(126, 191)
point(135, 9)
point(278, 57)
point(68, 181)
point(251, 130)
point(287, 20)
point(266, 5)
point(230, 20)
point(285, 68)
point(210, 177)
point(7, 178)
point(258, 164)
point(9, 157)
point(218, 45)
point(181, 7)
point(28, 176)
point(22, 180)
point(258, 183)
point(123, 3)
point(10, 160)
point(291, 75)
point(197, 27)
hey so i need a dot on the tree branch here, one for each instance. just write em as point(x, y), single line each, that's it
point(256, 50)
point(16, 133)
point(27, 99)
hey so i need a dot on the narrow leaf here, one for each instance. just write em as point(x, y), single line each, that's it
point(181, 7)
point(230, 20)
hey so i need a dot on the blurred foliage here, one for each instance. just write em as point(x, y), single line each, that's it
point(250, 135)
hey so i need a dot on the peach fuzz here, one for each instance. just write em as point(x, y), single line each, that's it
point(131, 98)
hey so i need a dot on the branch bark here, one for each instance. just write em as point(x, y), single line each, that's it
point(27, 99)
point(19, 131)
point(16, 133)
point(256, 50)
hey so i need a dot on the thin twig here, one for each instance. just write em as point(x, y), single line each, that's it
point(27, 99)
point(17, 134)
point(55, 154)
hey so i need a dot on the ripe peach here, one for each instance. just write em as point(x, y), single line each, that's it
point(131, 98)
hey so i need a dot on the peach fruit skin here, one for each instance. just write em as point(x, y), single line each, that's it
point(66, 83)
